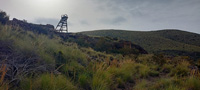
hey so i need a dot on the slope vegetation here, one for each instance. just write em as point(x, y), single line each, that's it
point(39, 59)
point(167, 41)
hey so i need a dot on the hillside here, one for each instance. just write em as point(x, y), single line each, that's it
point(35, 57)
point(103, 44)
point(164, 41)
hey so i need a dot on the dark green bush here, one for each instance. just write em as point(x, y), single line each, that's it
point(4, 18)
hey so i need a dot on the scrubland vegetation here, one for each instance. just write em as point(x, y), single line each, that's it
point(33, 61)
point(169, 41)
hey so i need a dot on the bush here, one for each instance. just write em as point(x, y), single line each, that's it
point(145, 59)
point(144, 71)
point(193, 83)
point(101, 78)
point(4, 18)
point(167, 68)
point(126, 71)
point(141, 85)
point(99, 83)
point(84, 81)
point(181, 69)
point(174, 87)
point(162, 84)
point(47, 82)
point(159, 59)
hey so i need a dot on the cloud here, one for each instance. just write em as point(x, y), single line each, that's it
point(155, 14)
point(84, 22)
point(118, 20)
point(113, 21)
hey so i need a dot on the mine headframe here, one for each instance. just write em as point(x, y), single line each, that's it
point(62, 25)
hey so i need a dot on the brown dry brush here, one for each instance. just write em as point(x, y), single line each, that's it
point(19, 67)
point(16, 65)
point(3, 71)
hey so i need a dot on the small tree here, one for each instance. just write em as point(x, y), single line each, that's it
point(3, 17)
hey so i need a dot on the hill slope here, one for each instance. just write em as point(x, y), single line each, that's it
point(109, 45)
point(156, 41)
point(34, 57)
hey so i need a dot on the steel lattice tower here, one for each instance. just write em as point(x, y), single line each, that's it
point(62, 25)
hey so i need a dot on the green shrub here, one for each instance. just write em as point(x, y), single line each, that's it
point(154, 73)
point(144, 71)
point(159, 59)
point(193, 83)
point(120, 83)
point(99, 83)
point(84, 81)
point(145, 59)
point(73, 69)
point(162, 84)
point(166, 68)
point(47, 82)
point(141, 85)
point(181, 69)
point(126, 71)
point(101, 79)
point(6, 33)
point(174, 87)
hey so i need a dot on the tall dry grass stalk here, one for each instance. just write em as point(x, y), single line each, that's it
point(195, 72)
point(100, 67)
point(31, 85)
point(124, 62)
point(3, 71)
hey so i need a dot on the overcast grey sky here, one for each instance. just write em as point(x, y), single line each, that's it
point(84, 15)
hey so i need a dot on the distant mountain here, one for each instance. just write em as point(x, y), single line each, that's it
point(173, 42)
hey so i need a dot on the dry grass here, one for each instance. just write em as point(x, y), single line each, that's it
point(3, 71)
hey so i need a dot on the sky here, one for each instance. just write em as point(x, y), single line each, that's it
point(86, 15)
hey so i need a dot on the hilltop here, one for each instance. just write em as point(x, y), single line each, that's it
point(172, 42)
